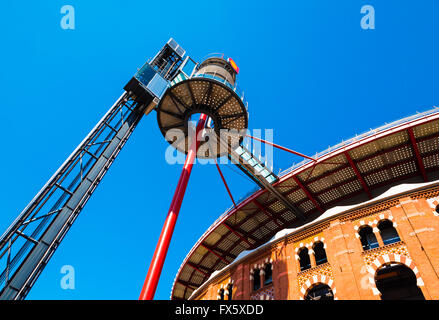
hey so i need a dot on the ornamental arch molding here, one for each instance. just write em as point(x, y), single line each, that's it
point(318, 279)
point(389, 258)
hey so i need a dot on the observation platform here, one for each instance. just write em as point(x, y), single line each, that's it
point(211, 90)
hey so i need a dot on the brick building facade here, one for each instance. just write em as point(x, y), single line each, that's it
point(344, 255)
point(357, 221)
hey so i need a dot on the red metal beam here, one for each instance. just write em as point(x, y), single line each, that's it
point(269, 235)
point(375, 186)
point(227, 233)
point(346, 181)
point(382, 152)
point(197, 269)
point(280, 147)
point(418, 154)
point(214, 253)
point(240, 223)
point(358, 174)
point(237, 234)
point(308, 194)
point(326, 174)
point(310, 172)
point(224, 253)
point(381, 184)
point(268, 214)
point(231, 197)
point(187, 284)
point(386, 167)
point(158, 259)
point(225, 183)
point(250, 216)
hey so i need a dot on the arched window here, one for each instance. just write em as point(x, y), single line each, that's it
point(221, 294)
point(437, 209)
point(305, 262)
point(396, 281)
point(388, 232)
point(268, 274)
point(368, 239)
point(256, 279)
point(320, 291)
point(230, 291)
point(320, 253)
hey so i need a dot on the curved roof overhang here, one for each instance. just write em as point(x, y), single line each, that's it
point(351, 172)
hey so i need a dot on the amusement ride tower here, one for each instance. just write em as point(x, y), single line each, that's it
point(208, 91)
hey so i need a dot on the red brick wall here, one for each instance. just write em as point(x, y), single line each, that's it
point(351, 270)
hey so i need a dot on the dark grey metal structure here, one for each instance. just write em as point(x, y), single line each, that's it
point(28, 244)
point(34, 236)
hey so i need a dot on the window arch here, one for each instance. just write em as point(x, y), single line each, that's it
point(437, 209)
point(305, 262)
point(320, 253)
point(367, 238)
point(388, 232)
point(319, 291)
point(268, 274)
point(256, 279)
point(396, 281)
point(229, 291)
point(221, 294)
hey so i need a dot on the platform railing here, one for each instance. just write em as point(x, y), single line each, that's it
point(235, 87)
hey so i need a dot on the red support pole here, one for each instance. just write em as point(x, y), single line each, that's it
point(358, 174)
point(158, 259)
point(225, 183)
point(282, 148)
point(308, 194)
point(417, 154)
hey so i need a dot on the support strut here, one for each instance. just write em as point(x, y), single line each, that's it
point(225, 183)
point(281, 148)
point(158, 259)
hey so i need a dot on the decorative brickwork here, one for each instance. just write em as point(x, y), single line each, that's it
point(398, 248)
point(307, 275)
point(392, 258)
point(317, 279)
point(309, 243)
point(373, 221)
point(350, 268)
point(265, 294)
point(434, 202)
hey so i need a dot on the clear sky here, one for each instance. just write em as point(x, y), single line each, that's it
point(309, 70)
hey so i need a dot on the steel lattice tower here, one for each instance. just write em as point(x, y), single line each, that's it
point(30, 241)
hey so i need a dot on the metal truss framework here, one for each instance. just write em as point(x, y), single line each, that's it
point(30, 241)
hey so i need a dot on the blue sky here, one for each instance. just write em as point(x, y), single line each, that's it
point(308, 70)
